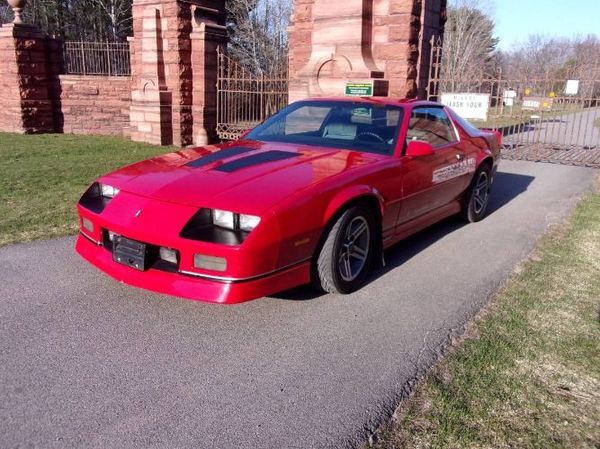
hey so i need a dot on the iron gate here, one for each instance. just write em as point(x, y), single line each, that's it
point(538, 118)
point(244, 99)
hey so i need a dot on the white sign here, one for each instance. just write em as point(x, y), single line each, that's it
point(469, 106)
point(572, 87)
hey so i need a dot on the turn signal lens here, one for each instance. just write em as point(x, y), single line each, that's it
point(87, 224)
point(223, 218)
point(210, 262)
point(248, 222)
point(168, 255)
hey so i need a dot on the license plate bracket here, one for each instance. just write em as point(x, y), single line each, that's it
point(130, 253)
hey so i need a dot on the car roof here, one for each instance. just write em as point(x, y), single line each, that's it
point(378, 100)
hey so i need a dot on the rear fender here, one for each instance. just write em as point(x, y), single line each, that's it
point(485, 156)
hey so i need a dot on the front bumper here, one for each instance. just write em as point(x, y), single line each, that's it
point(194, 287)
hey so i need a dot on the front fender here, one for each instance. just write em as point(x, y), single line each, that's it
point(348, 195)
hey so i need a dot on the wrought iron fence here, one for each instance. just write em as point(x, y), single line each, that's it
point(244, 99)
point(553, 120)
point(97, 58)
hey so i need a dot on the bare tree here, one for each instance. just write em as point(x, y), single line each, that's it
point(118, 13)
point(96, 20)
point(550, 62)
point(258, 33)
point(469, 49)
point(542, 57)
point(537, 58)
point(6, 14)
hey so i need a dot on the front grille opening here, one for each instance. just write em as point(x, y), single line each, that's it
point(152, 255)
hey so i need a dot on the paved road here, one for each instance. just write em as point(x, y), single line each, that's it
point(89, 363)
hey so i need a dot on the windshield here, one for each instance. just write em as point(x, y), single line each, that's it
point(343, 124)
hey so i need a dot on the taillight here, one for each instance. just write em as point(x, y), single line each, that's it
point(498, 137)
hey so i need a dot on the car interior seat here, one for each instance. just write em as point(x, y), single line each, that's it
point(340, 131)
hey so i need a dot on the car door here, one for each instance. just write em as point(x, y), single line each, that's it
point(433, 181)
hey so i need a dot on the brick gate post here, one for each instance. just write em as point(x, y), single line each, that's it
point(209, 33)
point(174, 70)
point(26, 101)
point(402, 30)
point(151, 117)
point(336, 41)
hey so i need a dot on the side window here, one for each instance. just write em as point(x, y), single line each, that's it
point(431, 125)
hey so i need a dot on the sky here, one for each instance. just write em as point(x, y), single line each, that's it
point(516, 19)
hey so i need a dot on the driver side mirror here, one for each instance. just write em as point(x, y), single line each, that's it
point(418, 148)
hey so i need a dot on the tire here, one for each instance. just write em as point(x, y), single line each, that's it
point(477, 197)
point(344, 260)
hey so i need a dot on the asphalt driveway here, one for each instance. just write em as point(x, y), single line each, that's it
point(86, 362)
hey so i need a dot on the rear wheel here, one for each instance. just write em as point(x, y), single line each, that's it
point(344, 260)
point(477, 197)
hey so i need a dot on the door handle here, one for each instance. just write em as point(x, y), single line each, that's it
point(456, 158)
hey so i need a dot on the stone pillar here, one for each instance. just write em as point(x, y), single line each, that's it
point(433, 19)
point(26, 103)
point(209, 33)
point(174, 86)
point(151, 99)
point(340, 48)
point(403, 29)
point(390, 36)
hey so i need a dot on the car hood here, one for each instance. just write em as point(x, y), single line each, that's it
point(247, 176)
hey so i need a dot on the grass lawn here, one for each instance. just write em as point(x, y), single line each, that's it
point(43, 176)
point(527, 373)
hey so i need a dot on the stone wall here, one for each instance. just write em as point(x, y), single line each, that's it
point(95, 104)
point(37, 99)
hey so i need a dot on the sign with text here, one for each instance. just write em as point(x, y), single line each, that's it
point(469, 106)
point(359, 89)
point(537, 104)
point(509, 97)
point(572, 87)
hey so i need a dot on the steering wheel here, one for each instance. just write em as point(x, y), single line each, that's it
point(372, 135)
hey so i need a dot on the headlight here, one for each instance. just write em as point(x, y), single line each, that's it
point(97, 197)
point(223, 219)
point(233, 221)
point(248, 222)
point(108, 191)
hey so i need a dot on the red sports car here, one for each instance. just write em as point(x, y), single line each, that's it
point(315, 193)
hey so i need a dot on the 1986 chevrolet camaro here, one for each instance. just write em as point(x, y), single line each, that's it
point(315, 193)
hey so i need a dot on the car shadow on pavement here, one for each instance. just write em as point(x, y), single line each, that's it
point(506, 187)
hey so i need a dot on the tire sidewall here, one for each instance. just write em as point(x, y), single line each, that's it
point(471, 215)
point(346, 218)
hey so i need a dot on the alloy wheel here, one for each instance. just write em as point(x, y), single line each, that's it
point(354, 250)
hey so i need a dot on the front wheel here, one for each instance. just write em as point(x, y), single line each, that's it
point(477, 197)
point(344, 260)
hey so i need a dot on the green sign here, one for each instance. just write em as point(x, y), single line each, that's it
point(359, 89)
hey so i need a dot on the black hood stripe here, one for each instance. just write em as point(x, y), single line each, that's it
point(217, 156)
point(255, 159)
